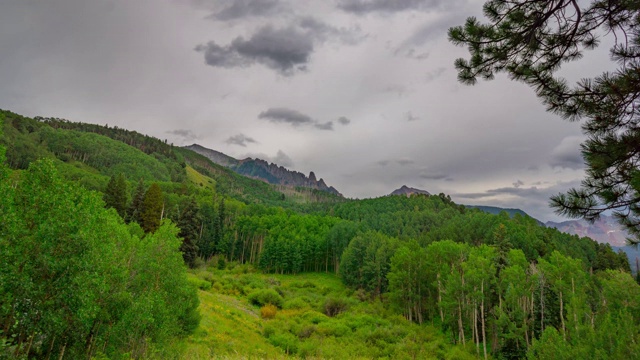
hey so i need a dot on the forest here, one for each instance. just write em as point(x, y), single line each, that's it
point(118, 245)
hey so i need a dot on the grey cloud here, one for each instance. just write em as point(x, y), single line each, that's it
point(434, 176)
point(383, 162)
point(245, 8)
point(284, 115)
point(411, 53)
point(283, 159)
point(389, 6)
point(280, 158)
point(518, 183)
point(324, 126)
point(323, 31)
point(343, 120)
point(404, 162)
point(284, 50)
point(240, 140)
point(567, 154)
point(432, 75)
point(410, 117)
point(185, 135)
point(516, 191)
point(293, 117)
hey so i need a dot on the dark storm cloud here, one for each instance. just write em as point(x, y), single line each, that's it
point(324, 126)
point(343, 120)
point(568, 154)
point(185, 135)
point(389, 6)
point(245, 8)
point(240, 140)
point(286, 50)
point(284, 115)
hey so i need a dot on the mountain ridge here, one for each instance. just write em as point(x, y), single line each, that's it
point(263, 170)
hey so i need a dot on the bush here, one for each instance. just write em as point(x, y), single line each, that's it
point(287, 342)
point(295, 303)
point(266, 296)
point(268, 311)
point(268, 331)
point(306, 331)
point(333, 306)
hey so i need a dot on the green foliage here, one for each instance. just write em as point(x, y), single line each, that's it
point(115, 194)
point(190, 222)
point(152, 209)
point(266, 296)
point(366, 262)
point(73, 278)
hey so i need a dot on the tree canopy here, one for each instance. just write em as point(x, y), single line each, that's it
point(530, 41)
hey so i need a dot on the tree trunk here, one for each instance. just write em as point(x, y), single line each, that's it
point(484, 335)
point(440, 299)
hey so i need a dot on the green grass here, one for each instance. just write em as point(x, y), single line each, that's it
point(200, 180)
point(231, 326)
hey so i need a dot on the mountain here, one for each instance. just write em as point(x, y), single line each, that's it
point(263, 170)
point(215, 156)
point(604, 230)
point(408, 191)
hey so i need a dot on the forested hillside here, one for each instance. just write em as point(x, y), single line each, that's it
point(107, 233)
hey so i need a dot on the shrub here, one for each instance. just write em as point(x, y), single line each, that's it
point(295, 303)
point(306, 331)
point(268, 311)
point(268, 331)
point(333, 306)
point(222, 263)
point(266, 296)
point(287, 342)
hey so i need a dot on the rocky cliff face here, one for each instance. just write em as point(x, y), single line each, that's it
point(279, 175)
point(262, 170)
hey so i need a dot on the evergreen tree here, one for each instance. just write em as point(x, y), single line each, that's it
point(152, 209)
point(115, 194)
point(530, 40)
point(189, 222)
point(134, 212)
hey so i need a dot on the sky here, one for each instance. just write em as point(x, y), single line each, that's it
point(361, 92)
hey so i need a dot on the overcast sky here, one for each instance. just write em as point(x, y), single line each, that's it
point(362, 92)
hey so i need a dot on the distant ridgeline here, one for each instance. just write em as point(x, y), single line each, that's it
point(263, 170)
